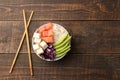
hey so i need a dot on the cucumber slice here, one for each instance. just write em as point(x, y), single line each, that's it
point(64, 36)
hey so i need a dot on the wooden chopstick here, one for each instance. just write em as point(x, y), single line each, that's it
point(28, 45)
point(16, 55)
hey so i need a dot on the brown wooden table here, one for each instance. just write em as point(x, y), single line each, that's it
point(94, 25)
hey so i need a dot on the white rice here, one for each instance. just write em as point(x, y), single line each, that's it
point(58, 31)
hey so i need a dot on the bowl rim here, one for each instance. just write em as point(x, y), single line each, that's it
point(56, 59)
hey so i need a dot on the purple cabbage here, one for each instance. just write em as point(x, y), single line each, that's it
point(49, 53)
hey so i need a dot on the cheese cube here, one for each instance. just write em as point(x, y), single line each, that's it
point(36, 40)
point(36, 46)
point(39, 51)
point(36, 35)
point(44, 45)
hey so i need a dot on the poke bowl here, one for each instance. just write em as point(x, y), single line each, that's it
point(51, 42)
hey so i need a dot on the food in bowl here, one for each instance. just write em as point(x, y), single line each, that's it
point(51, 41)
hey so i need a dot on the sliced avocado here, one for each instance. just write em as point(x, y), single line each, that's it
point(67, 40)
point(64, 36)
point(62, 50)
point(59, 55)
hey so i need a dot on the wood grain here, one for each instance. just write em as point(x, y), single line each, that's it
point(87, 67)
point(94, 25)
point(62, 10)
point(41, 1)
point(89, 37)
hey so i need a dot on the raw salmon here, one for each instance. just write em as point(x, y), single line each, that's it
point(41, 29)
point(49, 26)
point(44, 33)
point(50, 33)
point(47, 39)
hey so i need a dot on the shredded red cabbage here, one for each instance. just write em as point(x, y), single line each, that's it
point(49, 53)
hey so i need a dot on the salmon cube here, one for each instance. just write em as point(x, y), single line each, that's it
point(50, 33)
point(43, 38)
point(41, 28)
point(45, 33)
point(48, 39)
point(48, 26)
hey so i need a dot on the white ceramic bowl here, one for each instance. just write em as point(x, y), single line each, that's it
point(54, 24)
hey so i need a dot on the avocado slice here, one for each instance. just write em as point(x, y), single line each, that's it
point(67, 40)
point(62, 50)
point(64, 36)
point(59, 55)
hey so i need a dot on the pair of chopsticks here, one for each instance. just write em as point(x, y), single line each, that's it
point(28, 45)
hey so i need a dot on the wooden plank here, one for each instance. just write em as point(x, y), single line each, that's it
point(89, 37)
point(58, 73)
point(72, 66)
point(41, 2)
point(83, 61)
point(118, 73)
point(57, 10)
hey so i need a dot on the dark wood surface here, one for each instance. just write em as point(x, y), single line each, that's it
point(95, 29)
